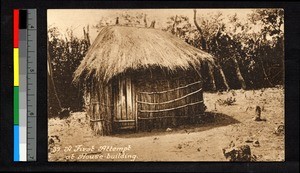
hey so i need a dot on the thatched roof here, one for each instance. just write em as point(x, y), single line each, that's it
point(118, 48)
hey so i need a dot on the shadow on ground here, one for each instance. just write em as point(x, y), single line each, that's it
point(209, 121)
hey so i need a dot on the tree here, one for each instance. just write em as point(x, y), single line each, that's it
point(215, 40)
point(269, 44)
point(64, 56)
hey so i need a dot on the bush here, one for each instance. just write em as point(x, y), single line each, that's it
point(65, 56)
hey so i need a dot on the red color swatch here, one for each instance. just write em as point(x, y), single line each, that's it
point(16, 28)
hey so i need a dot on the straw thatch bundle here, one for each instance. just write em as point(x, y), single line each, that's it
point(118, 49)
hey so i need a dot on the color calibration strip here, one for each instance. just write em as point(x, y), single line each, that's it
point(24, 61)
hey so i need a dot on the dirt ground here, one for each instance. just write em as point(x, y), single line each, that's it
point(71, 139)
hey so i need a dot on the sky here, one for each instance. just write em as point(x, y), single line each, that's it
point(79, 18)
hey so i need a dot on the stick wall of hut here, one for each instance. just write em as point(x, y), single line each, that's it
point(100, 109)
point(168, 101)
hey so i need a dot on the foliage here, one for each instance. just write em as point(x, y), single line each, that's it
point(255, 46)
point(65, 55)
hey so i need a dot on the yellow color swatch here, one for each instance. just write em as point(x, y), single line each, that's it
point(16, 66)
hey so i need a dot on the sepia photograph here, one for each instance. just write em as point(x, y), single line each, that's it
point(132, 85)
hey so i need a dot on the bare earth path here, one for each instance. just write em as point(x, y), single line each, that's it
point(72, 140)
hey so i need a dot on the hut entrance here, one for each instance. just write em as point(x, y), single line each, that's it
point(125, 117)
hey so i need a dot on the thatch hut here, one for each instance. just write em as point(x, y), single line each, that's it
point(141, 78)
